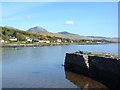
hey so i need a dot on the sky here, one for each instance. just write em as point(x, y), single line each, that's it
point(83, 18)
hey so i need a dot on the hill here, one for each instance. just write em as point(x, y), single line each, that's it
point(67, 33)
point(37, 29)
point(21, 36)
point(76, 36)
point(40, 33)
point(90, 37)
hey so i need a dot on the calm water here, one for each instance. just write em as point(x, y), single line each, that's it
point(41, 67)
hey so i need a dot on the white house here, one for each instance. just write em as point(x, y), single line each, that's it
point(59, 40)
point(2, 41)
point(29, 39)
point(98, 42)
point(12, 38)
point(44, 41)
point(71, 41)
point(65, 41)
point(87, 41)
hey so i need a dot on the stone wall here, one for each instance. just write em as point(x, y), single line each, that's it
point(103, 69)
point(75, 63)
point(104, 64)
point(106, 70)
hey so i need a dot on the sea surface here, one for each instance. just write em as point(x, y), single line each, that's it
point(41, 67)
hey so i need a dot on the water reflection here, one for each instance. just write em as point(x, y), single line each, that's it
point(83, 82)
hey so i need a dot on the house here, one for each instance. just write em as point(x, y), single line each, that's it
point(59, 40)
point(98, 42)
point(44, 41)
point(65, 41)
point(87, 41)
point(71, 41)
point(2, 41)
point(12, 38)
point(29, 39)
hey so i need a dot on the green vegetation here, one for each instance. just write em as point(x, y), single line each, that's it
point(23, 36)
point(20, 35)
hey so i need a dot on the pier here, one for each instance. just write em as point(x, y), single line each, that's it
point(102, 67)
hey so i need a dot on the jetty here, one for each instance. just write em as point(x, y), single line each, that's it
point(102, 67)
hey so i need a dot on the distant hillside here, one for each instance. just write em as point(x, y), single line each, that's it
point(67, 33)
point(90, 37)
point(37, 29)
point(34, 32)
point(42, 31)
point(76, 36)
point(106, 38)
point(7, 33)
point(13, 32)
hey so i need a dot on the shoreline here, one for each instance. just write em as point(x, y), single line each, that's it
point(29, 45)
point(50, 44)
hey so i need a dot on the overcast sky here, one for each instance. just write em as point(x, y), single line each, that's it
point(83, 18)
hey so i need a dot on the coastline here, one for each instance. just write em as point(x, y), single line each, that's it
point(47, 44)
point(29, 45)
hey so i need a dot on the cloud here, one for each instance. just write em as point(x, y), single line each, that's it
point(69, 22)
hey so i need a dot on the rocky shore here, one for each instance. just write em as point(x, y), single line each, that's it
point(102, 67)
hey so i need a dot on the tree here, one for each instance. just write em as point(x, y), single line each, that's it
point(14, 34)
point(43, 37)
point(4, 32)
point(21, 37)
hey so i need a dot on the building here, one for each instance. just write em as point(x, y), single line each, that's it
point(29, 39)
point(44, 41)
point(98, 42)
point(2, 41)
point(71, 41)
point(59, 40)
point(12, 38)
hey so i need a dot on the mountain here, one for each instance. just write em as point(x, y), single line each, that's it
point(73, 35)
point(67, 33)
point(42, 31)
point(90, 37)
point(112, 39)
point(37, 29)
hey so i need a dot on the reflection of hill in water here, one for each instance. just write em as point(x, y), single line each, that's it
point(82, 81)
